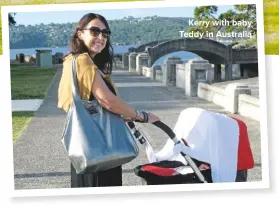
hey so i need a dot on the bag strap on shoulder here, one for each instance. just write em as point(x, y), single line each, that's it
point(75, 90)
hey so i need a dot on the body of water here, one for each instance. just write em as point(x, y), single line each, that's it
point(64, 50)
point(185, 56)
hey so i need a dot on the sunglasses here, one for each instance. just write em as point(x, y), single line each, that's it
point(95, 31)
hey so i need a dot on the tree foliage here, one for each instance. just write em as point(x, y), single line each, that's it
point(240, 12)
point(126, 31)
point(249, 13)
point(12, 21)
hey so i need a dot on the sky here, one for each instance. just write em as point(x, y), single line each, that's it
point(33, 18)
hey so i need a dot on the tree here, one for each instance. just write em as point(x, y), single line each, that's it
point(123, 32)
point(12, 19)
point(205, 13)
point(248, 13)
point(209, 14)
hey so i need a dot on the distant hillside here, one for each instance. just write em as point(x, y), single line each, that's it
point(126, 31)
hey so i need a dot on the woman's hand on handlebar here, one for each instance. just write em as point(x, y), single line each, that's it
point(152, 118)
point(144, 117)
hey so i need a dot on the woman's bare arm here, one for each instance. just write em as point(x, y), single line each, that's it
point(109, 101)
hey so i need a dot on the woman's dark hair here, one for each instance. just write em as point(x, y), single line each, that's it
point(104, 59)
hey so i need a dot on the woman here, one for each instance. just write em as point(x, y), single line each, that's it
point(91, 42)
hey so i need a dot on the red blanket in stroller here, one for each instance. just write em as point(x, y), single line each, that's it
point(245, 159)
point(168, 172)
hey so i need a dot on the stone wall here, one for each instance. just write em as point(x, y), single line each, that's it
point(147, 71)
point(197, 71)
point(169, 70)
point(132, 62)
point(142, 60)
point(180, 76)
point(249, 106)
point(196, 78)
point(212, 93)
point(119, 64)
point(235, 98)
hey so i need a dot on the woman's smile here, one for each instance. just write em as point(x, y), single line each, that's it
point(99, 44)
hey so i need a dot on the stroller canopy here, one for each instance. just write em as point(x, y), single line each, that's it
point(211, 137)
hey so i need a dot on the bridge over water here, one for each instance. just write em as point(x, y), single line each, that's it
point(215, 52)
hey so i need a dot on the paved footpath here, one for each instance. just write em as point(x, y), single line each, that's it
point(40, 161)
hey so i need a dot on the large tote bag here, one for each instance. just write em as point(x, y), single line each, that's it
point(95, 139)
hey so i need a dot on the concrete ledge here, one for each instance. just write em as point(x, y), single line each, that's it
point(235, 98)
point(159, 75)
point(155, 68)
point(249, 106)
point(212, 94)
point(147, 72)
point(180, 76)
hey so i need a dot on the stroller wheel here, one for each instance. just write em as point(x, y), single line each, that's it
point(241, 176)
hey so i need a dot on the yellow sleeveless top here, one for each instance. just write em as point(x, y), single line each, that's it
point(86, 70)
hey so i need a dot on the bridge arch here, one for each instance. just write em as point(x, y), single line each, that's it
point(141, 48)
point(213, 51)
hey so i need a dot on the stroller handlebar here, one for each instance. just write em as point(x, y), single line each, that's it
point(165, 128)
point(172, 136)
point(160, 125)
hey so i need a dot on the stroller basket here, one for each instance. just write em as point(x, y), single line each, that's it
point(162, 173)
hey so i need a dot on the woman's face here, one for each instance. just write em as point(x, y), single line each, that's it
point(94, 42)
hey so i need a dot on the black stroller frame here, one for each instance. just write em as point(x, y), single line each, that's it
point(196, 177)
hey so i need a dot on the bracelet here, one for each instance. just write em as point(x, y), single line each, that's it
point(137, 113)
point(145, 115)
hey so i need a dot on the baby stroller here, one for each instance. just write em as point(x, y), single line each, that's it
point(212, 148)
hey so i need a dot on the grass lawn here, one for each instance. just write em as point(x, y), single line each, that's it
point(20, 120)
point(29, 82)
